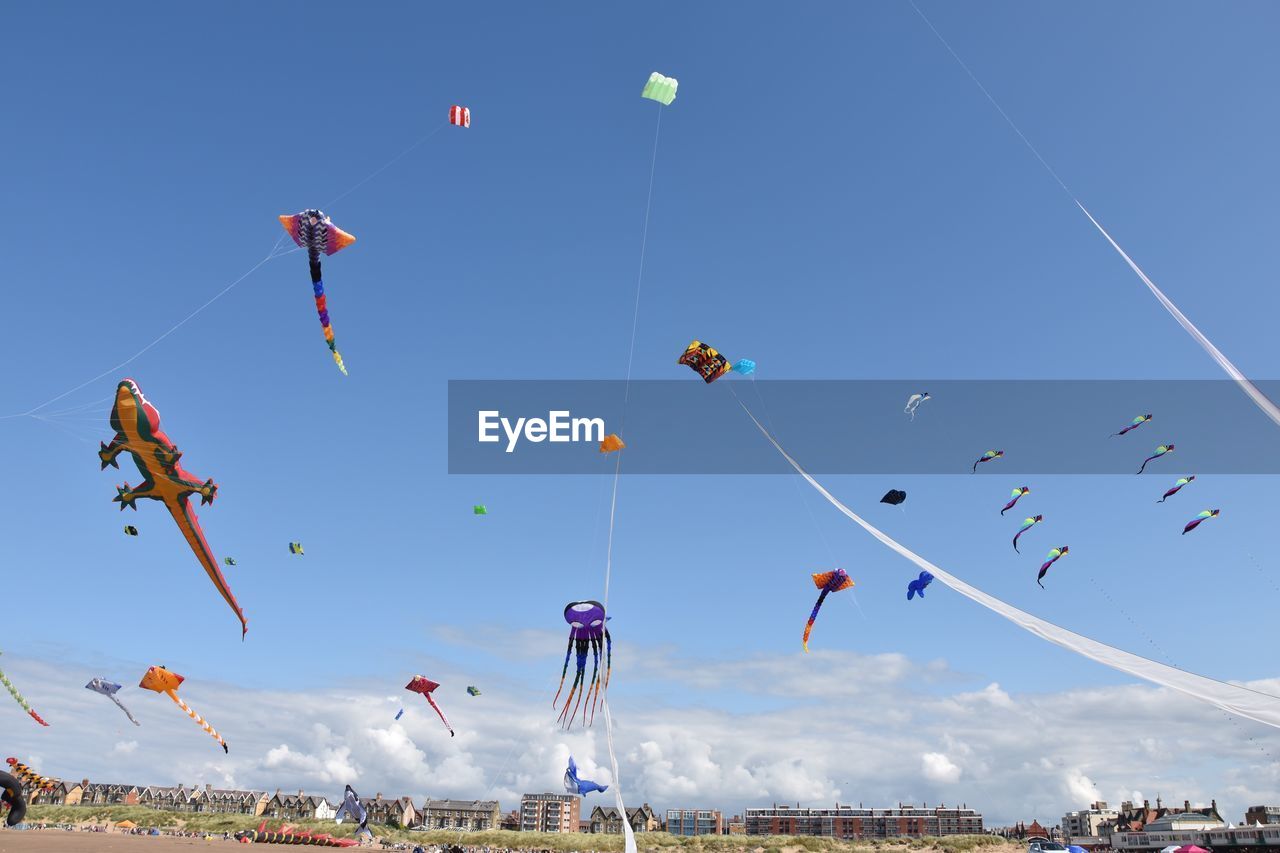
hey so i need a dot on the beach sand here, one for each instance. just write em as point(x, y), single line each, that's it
point(58, 841)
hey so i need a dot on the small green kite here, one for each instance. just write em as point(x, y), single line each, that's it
point(660, 89)
point(479, 509)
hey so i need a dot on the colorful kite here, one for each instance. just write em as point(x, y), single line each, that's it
point(399, 714)
point(913, 403)
point(291, 835)
point(460, 116)
point(587, 633)
point(17, 697)
point(828, 582)
point(580, 787)
point(1054, 555)
point(706, 361)
point(473, 691)
point(660, 89)
point(917, 586)
point(425, 686)
point(987, 457)
point(161, 680)
point(110, 689)
point(230, 561)
point(745, 366)
point(1013, 498)
point(1202, 516)
point(893, 497)
point(611, 443)
point(314, 231)
point(137, 426)
point(1177, 487)
point(29, 777)
point(352, 808)
point(1027, 524)
point(130, 530)
point(479, 509)
point(11, 796)
point(296, 548)
point(1133, 424)
point(1160, 451)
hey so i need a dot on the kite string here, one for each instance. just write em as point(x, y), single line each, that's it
point(384, 167)
point(644, 243)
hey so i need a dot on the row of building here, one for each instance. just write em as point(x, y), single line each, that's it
point(1144, 827)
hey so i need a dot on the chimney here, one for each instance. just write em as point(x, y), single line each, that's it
point(208, 786)
point(1146, 804)
point(84, 783)
point(277, 792)
point(1186, 805)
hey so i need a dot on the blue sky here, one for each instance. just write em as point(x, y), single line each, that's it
point(833, 198)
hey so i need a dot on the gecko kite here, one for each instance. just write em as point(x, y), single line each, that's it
point(1014, 498)
point(1160, 451)
point(1133, 424)
point(1027, 524)
point(1177, 487)
point(137, 426)
point(17, 697)
point(110, 689)
point(987, 457)
point(161, 680)
point(580, 787)
point(1203, 515)
point(425, 686)
point(1054, 555)
point(828, 582)
point(587, 633)
point(313, 231)
point(917, 586)
point(913, 403)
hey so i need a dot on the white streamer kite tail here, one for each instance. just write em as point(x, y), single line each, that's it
point(1259, 399)
point(199, 720)
point(1233, 698)
point(121, 706)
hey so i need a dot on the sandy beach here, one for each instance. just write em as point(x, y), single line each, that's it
point(58, 841)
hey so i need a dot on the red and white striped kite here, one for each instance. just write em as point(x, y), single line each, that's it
point(461, 116)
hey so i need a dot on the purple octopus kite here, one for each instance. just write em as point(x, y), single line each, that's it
point(587, 632)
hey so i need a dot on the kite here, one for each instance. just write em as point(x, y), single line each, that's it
point(1177, 487)
point(11, 796)
point(893, 497)
point(161, 680)
point(745, 366)
point(1160, 451)
point(110, 689)
point(230, 561)
point(1202, 516)
point(827, 582)
point(17, 697)
point(29, 777)
point(423, 685)
point(296, 548)
point(660, 89)
point(580, 787)
point(130, 530)
point(473, 691)
point(1054, 555)
point(1133, 424)
point(913, 403)
point(611, 443)
point(987, 457)
point(460, 116)
point(1013, 498)
point(399, 714)
point(137, 426)
point(705, 361)
point(587, 632)
point(479, 509)
point(352, 808)
point(916, 587)
point(1027, 524)
point(291, 835)
point(313, 231)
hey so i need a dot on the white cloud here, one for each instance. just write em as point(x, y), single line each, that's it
point(124, 747)
point(936, 767)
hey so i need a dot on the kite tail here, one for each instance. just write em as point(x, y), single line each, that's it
point(595, 678)
point(812, 616)
point(443, 718)
point(565, 671)
point(317, 287)
point(121, 706)
point(577, 679)
point(13, 691)
point(1015, 539)
point(209, 730)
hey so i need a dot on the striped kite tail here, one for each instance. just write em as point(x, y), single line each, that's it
point(199, 720)
point(17, 697)
point(317, 287)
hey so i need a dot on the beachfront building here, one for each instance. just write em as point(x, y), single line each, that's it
point(61, 794)
point(398, 812)
point(607, 820)
point(857, 822)
point(108, 794)
point(1262, 815)
point(511, 821)
point(695, 822)
point(298, 806)
point(1086, 824)
point(1138, 818)
point(550, 813)
point(462, 815)
point(737, 825)
point(211, 800)
point(164, 797)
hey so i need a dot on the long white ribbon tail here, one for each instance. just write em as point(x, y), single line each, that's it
point(617, 783)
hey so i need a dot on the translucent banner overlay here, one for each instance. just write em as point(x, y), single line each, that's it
point(860, 426)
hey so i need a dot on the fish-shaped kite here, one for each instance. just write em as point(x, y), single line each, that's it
point(580, 787)
point(161, 680)
point(1160, 451)
point(917, 586)
point(314, 231)
point(828, 582)
point(1014, 498)
point(17, 697)
point(352, 808)
point(1027, 524)
point(137, 426)
point(1054, 555)
point(425, 686)
point(913, 403)
point(1133, 424)
point(110, 689)
point(987, 457)
point(1203, 515)
point(1177, 487)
